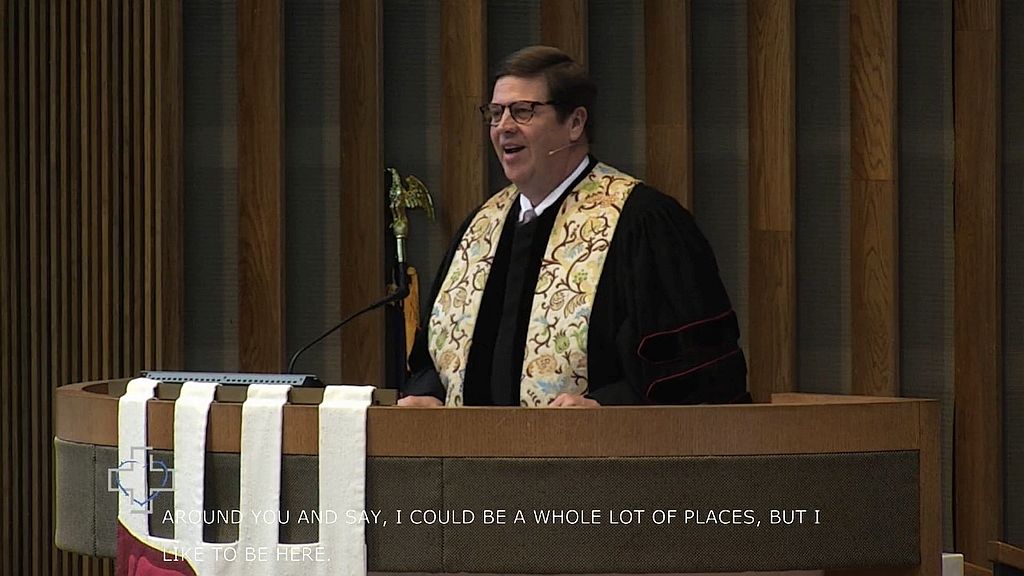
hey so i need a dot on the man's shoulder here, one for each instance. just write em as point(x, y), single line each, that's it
point(643, 197)
point(645, 202)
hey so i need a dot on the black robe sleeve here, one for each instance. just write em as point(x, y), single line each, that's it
point(662, 329)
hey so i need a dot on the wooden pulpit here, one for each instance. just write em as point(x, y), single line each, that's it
point(805, 482)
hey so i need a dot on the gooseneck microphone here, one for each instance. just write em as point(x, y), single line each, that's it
point(401, 291)
point(566, 147)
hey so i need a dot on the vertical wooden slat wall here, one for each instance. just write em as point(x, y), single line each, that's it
point(772, 102)
point(874, 199)
point(261, 326)
point(362, 188)
point(977, 335)
point(135, 205)
point(90, 280)
point(33, 502)
point(564, 25)
point(55, 231)
point(101, 181)
point(463, 90)
point(669, 132)
point(6, 275)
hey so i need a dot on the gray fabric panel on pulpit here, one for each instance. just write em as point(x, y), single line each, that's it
point(220, 493)
point(105, 522)
point(405, 484)
point(417, 480)
point(74, 496)
point(87, 510)
point(859, 528)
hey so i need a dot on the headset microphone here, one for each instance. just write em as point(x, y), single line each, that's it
point(556, 150)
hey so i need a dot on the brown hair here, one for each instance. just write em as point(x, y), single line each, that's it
point(569, 85)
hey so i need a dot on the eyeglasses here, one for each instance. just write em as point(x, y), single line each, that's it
point(522, 111)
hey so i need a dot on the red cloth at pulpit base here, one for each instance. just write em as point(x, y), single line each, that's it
point(136, 558)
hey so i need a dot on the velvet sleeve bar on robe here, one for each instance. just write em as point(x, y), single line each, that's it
point(662, 329)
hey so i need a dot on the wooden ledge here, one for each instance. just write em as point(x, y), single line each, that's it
point(85, 413)
point(1005, 554)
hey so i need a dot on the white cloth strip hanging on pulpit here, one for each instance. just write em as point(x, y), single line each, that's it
point(130, 477)
point(341, 548)
point(260, 465)
point(343, 471)
point(191, 411)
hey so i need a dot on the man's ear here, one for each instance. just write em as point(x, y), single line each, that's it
point(577, 123)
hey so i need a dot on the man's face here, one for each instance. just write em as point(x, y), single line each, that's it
point(523, 148)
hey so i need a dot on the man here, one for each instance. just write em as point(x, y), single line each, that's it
point(577, 285)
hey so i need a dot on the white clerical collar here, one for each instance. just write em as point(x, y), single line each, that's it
point(525, 204)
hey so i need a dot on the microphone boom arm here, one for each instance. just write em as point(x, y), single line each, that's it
point(400, 293)
point(413, 195)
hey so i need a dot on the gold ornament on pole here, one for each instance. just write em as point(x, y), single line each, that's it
point(412, 195)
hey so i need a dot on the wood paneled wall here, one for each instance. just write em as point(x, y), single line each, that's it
point(362, 180)
point(564, 25)
point(874, 199)
point(667, 93)
point(90, 231)
point(978, 287)
point(771, 108)
point(261, 325)
point(463, 89)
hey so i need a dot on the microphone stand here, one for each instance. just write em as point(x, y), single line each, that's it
point(401, 291)
point(413, 195)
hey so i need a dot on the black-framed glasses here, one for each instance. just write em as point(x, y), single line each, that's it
point(522, 111)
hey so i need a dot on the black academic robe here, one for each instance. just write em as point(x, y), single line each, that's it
point(662, 328)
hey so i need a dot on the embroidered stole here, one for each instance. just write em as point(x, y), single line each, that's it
point(555, 359)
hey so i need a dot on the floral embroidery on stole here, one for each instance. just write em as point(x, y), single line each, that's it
point(555, 359)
